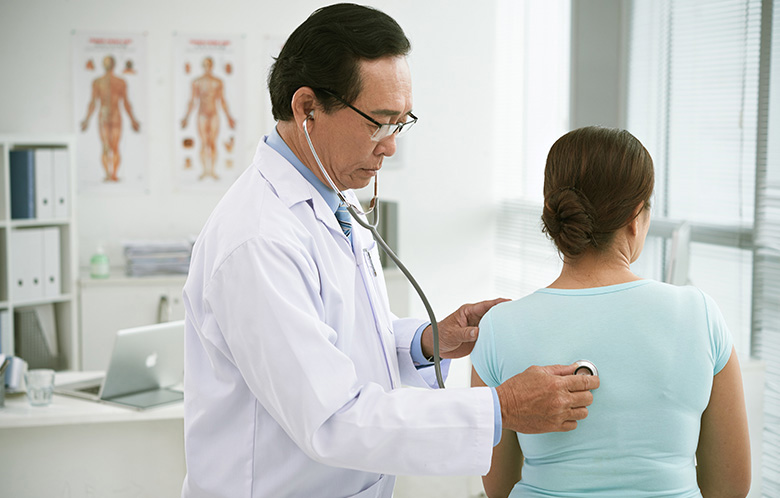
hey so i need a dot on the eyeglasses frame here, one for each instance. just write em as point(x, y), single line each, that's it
point(398, 126)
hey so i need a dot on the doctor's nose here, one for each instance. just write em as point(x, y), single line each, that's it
point(386, 146)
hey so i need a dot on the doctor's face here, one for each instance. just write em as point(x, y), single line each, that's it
point(344, 143)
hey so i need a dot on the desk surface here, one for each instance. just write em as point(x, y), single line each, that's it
point(65, 410)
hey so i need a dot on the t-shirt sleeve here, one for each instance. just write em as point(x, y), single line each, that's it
point(721, 341)
point(483, 357)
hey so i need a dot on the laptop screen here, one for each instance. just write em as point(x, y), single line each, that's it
point(145, 358)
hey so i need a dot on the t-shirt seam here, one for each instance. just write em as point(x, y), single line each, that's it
point(605, 291)
point(489, 354)
point(494, 374)
point(711, 337)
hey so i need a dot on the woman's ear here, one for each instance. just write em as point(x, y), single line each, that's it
point(633, 225)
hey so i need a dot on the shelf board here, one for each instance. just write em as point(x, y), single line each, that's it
point(14, 140)
point(39, 223)
point(62, 298)
point(119, 278)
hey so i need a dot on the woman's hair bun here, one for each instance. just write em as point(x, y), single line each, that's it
point(567, 219)
point(595, 179)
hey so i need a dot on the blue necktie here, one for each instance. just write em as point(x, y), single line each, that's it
point(344, 219)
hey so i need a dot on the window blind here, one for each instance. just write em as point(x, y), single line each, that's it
point(766, 293)
point(693, 102)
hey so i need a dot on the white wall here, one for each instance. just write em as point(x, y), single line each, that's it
point(442, 185)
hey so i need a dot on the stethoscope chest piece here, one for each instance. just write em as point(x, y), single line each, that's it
point(585, 367)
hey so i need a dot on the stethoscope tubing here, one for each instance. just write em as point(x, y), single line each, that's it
point(411, 279)
point(379, 240)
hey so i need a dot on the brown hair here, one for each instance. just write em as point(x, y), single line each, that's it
point(594, 179)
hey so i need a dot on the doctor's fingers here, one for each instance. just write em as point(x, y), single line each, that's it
point(465, 334)
point(580, 399)
point(457, 342)
point(579, 395)
point(454, 330)
point(577, 383)
point(566, 420)
point(571, 422)
point(474, 312)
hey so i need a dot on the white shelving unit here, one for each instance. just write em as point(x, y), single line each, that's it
point(65, 302)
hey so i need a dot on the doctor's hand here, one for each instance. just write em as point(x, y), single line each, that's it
point(545, 399)
point(459, 331)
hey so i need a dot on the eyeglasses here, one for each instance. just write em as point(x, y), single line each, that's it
point(383, 130)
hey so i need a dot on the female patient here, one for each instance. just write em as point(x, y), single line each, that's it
point(671, 388)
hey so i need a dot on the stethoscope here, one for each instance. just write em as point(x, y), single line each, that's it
point(584, 367)
point(357, 215)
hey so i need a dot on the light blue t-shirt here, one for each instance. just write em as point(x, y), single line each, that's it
point(656, 347)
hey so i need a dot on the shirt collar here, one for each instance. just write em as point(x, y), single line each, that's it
point(276, 142)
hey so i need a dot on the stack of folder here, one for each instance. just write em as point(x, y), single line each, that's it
point(146, 258)
point(35, 263)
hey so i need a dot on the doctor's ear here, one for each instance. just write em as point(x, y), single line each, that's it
point(303, 104)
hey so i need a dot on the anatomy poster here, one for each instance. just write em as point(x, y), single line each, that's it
point(209, 103)
point(109, 107)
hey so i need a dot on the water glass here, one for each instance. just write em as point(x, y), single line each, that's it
point(40, 386)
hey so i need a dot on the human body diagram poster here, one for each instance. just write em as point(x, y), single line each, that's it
point(208, 106)
point(110, 109)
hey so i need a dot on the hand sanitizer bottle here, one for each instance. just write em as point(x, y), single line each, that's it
point(98, 264)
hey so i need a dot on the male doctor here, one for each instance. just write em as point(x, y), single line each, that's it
point(294, 361)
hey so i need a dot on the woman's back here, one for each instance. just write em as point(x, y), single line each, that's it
point(657, 348)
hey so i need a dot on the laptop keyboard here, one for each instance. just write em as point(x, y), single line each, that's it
point(149, 398)
point(90, 389)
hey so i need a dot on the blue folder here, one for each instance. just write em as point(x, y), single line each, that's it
point(22, 184)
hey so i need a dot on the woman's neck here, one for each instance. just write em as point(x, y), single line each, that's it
point(595, 269)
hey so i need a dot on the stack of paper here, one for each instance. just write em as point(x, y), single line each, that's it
point(145, 258)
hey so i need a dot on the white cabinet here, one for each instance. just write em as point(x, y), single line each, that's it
point(119, 302)
point(38, 262)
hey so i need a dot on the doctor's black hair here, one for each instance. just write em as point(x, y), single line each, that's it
point(324, 52)
point(594, 180)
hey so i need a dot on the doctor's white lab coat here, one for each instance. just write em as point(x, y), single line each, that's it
point(294, 362)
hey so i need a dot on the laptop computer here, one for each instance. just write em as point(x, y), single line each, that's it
point(145, 363)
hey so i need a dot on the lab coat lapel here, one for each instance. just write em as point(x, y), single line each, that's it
point(292, 187)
